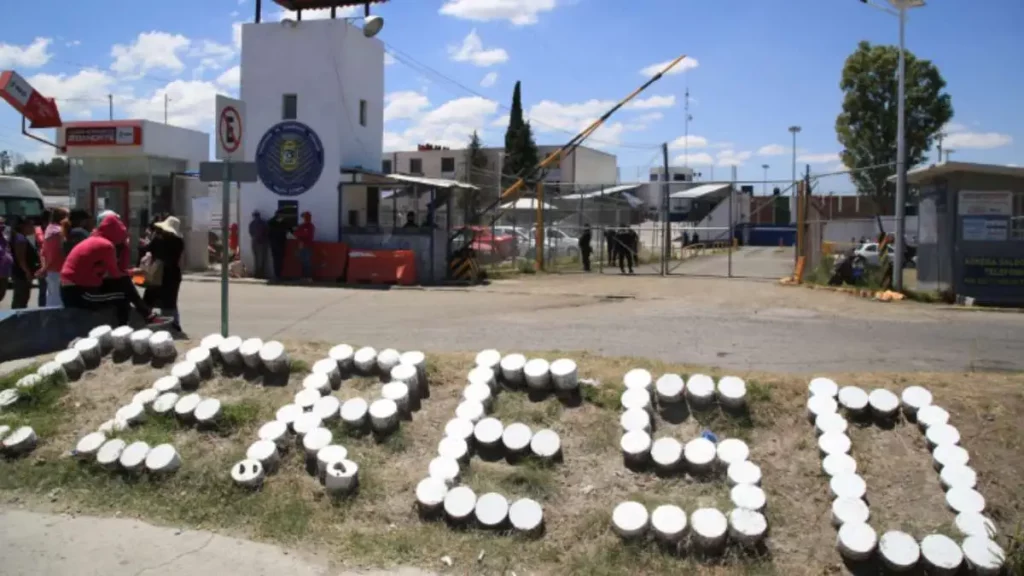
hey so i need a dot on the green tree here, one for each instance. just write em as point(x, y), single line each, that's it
point(476, 174)
point(5, 161)
point(520, 149)
point(867, 126)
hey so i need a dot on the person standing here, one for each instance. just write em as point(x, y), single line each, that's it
point(163, 259)
point(258, 238)
point(26, 262)
point(79, 224)
point(585, 248)
point(305, 233)
point(52, 253)
point(37, 242)
point(6, 258)
point(277, 236)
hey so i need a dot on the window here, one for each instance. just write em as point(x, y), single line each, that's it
point(290, 107)
point(654, 177)
point(385, 166)
point(415, 165)
point(362, 112)
point(679, 177)
point(1017, 217)
point(447, 165)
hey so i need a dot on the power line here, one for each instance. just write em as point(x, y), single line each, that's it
point(425, 71)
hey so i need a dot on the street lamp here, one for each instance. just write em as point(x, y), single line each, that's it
point(794, 130)
point(900, 11)
point(764, 186)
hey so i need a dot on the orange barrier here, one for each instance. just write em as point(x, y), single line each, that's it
point(329, 260)
point(382, 267)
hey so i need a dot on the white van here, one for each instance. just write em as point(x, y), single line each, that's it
point(20, 197)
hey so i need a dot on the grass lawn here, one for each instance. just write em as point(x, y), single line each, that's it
point(379, 527)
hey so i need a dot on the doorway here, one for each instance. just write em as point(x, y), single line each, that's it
point(109, 196)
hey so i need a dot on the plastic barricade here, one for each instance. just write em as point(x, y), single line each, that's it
point(382, 267)
point(329, 260)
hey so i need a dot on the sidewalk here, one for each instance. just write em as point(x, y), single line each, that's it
point(59, 545)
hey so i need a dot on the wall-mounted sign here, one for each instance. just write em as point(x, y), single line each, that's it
point(977, 203)
point(993, 271)
point(985, 228)
point(113, 135)
point(290, 158)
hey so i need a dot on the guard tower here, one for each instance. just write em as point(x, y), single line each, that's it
point(314, 98)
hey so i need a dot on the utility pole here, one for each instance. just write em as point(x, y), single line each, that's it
point(901, 157)
point(166, 101)
point(764, 185)
point(666, 236)
point(948, 152)
point(110, 105)
point(940, 137)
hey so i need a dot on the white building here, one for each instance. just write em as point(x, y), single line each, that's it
point(314, 97)
point(582, 166)
point(676, 174)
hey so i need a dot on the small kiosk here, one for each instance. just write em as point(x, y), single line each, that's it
point(129, 166)
point(971, 231)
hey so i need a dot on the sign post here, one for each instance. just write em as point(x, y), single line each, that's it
point(230, 128)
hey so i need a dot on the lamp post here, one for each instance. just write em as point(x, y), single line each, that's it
point(899, 9)
point(794, 130)
point(764, 185)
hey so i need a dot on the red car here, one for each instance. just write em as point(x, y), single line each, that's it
point(491, 247)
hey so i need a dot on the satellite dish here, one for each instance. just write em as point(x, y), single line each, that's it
point(372, 25)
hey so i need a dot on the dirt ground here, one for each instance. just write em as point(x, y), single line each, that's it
point(379, 527)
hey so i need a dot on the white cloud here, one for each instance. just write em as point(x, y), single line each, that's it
point(450, 124)
point(150, 51)
point(698, 159)
point(690, 141)
point(977, 140)
point(405, 104)
point(472, 50)
point(518, 12)
point(732, 157)
point(325, 14)
point(388, 59)
point(549, 116)
point(826, 158)
point(79, 93)
point(190, 104)
point(652, 102)
point(772, 150)
point(32, 55)
point(73, 43)
point(489, 79)
point(650, 117)
point(687, 64)
point(230, 78)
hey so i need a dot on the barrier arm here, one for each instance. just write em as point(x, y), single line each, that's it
point(576, 141)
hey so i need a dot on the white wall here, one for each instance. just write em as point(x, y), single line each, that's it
point(715, 226)
point(166, 141)
point(594, 167)
point(843, 230)
point(330, 66)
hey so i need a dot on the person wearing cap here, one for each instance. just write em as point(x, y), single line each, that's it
point(305, 233)
point(162, 262)
point(258, 238)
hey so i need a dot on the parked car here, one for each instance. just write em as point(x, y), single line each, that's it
point(491, 247)
point(868, 253)
point(557, 243)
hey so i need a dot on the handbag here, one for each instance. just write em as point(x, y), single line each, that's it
point(153, 270)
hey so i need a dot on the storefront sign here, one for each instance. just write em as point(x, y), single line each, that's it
point(103, 136)
point(290, 158)
point(972, 203)
point(982, 271)
point(985, 229)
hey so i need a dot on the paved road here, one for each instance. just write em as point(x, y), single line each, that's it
point(731, 323)
point(35, 544)
point(738, 324)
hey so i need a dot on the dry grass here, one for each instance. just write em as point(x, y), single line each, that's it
point(380, 527)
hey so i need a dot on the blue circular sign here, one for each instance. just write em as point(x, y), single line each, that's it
point(290, 158)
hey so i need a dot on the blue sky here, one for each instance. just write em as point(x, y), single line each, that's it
point(762, 65)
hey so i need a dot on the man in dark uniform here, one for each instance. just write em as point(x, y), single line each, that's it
point(585, 248)
point(612, 243)
point(628, 242)
point(277, 234)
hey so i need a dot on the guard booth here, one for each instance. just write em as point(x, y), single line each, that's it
point(971, 231)
point(129, 166)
